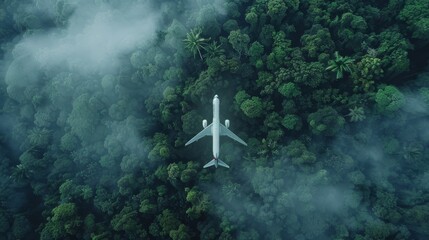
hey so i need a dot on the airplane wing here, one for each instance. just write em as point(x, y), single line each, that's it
point(226, 132)
point(205, 132)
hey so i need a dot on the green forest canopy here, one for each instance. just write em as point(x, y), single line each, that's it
point(98, 98)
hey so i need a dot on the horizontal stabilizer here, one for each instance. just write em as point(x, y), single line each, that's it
point(209, 164)
point(216, 162)
point(221, 163)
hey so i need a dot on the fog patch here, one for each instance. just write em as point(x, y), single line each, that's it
point(95, 38)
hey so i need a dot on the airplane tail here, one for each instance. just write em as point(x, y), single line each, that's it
point(221, 163)
point(213, 163)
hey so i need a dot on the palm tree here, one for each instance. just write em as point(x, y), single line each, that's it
point(340, 65)
point(20, 173)
point(214, 50)
point(356, 114)
point(194, 42)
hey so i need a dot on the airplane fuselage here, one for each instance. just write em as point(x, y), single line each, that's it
point(216, 127)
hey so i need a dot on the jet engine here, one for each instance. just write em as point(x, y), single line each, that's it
point(227, 123)
point(204, 123)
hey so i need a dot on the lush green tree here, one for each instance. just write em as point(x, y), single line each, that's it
point(255, 54)
point(63, 223)
point(169, 105)
point(281, 48)
point(194, 42)
point(146, 207)
point(368, 71)
point(182, 233)
point(266, 35)
point(340, 65)
point(21, 173)
point(353, 22)
point(131, 163)
point(214, 50)
point(416, 16)
point(251, 17)
point(299, 154)
point(292, 122)
point(197, 89)
point(351, 30)
point(302, 73)
point(199, 201)
point(289, 90)
point(389, 99)
point(318, 13)
point(68, 190)
point(277, 9)
point(272, 121)
point(127, 184)
point(252, 107)
point(393, 52)
point(356, 114)
point(104, 200)
point(239, 41)
point(174, 170)
point(127, 221)
point(160, 148)
point(39, 137)
point(240, 97)
point(189, 173)
point(32, 161)
point(317, 41)
point(69, 142)
point(266, 82)
point(167, 222)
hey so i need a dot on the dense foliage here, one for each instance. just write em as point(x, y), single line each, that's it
point(98, 97)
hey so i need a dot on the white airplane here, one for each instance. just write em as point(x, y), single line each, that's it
point(216, 129)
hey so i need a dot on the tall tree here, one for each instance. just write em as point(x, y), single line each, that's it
point(194, 42)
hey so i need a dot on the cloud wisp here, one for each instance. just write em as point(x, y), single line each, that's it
point(94, 39)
